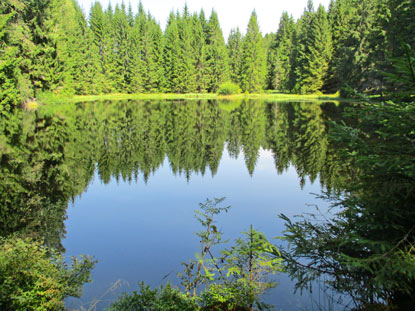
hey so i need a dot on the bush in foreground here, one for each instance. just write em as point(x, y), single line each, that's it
point(165, 298)
point(33, 277)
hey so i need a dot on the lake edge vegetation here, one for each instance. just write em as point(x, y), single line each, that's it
point(47, 61)
point(50, 46)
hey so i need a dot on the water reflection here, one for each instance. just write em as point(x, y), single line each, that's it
point(49, 157)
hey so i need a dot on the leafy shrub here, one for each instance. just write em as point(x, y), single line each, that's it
point(165, 298)
point(229, 88)
point(33, 277)
point(232, 296)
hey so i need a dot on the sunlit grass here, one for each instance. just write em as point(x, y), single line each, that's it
point(198, 96)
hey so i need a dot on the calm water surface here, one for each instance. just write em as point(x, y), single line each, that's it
point(131, 175)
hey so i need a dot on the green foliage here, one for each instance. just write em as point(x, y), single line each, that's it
point(280, 55)
point(402, 80)
point(314, 50)
point(250, 262)
point(237, 280)
point(202, 270)
point(253, 68)
point(33, 277)
point(234, 46)
point(164, 298)
point(366, 249)
point(50, 46)
point(233, 296)
point(216, 55)
point(229, 88)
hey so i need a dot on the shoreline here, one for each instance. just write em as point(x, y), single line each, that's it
point(197, 96)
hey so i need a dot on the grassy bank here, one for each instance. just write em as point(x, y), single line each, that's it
point(50, 98)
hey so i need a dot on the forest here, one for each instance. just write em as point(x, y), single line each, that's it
point(51, 46)
point(361, 153)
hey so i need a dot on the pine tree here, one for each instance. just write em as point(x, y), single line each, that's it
point(253, 69)
point(340, 17)
point(394, 29)
point(170, 54)
point(186, 75)
point(280, 54)
point(70, 32)
point(234, 46)
point(216, 54)
point(109, 59)
point(10, 73)
point(314, 50)
point(121, 32)
point(136, 40)
point(199, 51)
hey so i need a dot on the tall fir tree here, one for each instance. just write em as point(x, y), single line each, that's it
point(186, 75)
point(253, 69)
point(171, 53)
point(136, 65)
point(121, 31)
point(216, 55)
point(280, 54)
point(10, 72)
point(199, 51)
point(234, 46)
point(341, 14)
point(314, 50)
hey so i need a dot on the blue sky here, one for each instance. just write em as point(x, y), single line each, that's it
point(232, 13)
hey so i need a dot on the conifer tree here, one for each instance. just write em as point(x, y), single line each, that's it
point(234, 46)
point(280, 54)
point(357, 67)
point(314, 50)
point(253, 69)
point(340, 17)
point(170, 53)
point(157, 55)
point(216, 54)
point(108, 51)
point(100, 27)
point(70, 32)
point(121, 32)
point(137, 69)
point(186, 76)
point(10, 95)
point(199, 51)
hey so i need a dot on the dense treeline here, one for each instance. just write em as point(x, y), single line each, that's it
point(50, 45)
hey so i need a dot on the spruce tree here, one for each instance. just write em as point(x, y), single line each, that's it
point(216, 55)
point(234, 46)
point(111, 78)
point(341, 13)
point(314, 50)
point(10, 73)
point(280, 54)
point(100, 27)
point(136, 63)
point(199, 52)
point(186, 75)
point(253, 69)
point(157, 55)
point(171, 50)
point(121, 32)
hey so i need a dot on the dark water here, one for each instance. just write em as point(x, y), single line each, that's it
point(120, 181)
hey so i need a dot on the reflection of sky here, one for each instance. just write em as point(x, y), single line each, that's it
point(141, 232)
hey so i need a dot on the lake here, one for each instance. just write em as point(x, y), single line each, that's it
point(121, 181)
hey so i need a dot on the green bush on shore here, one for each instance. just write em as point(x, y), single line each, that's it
point(229, 88)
